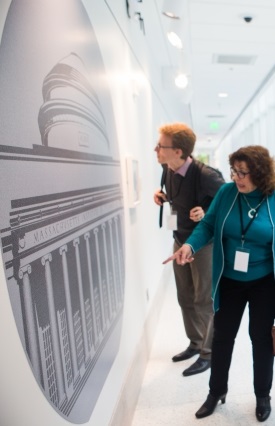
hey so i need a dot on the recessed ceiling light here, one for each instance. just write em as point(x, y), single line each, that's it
point(173, 8)
point(223, 95)
point(181, 81)
point(174, 39)
point(171, 15)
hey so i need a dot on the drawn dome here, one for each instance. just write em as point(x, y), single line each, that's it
point(71, 117)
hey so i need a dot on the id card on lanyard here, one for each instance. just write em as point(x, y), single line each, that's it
point(172, 220)
point(242, 254)
point(241, 259)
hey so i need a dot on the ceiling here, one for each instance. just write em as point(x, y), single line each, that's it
point(222, 53)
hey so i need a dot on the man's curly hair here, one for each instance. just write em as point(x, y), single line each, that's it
point(182, 137)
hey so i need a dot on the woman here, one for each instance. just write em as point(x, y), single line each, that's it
point(241, 221)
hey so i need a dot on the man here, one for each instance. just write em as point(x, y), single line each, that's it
point(190, 187)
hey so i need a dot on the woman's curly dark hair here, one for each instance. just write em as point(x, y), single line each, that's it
point(260, 164)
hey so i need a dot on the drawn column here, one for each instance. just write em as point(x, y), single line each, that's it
point(115, 283)
point(100, 281)
point(119, 255)
point(32, 339)
point(54, 328)
point(95, 334)
point(63, 250)
point(76, 243)
point(103, 227)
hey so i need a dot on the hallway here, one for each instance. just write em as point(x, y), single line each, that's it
point(169, 399)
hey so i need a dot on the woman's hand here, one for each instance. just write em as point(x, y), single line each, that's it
point(182, 256)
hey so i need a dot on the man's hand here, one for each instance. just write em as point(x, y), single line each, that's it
point(182, 256)
point(159, 197)
point(196, 214)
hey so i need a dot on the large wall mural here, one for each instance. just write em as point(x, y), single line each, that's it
point(61, 210)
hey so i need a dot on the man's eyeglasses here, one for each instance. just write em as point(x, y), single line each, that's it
point(159, 146)
point(241, 175)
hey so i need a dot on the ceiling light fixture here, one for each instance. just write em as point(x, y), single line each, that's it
point(181, 81)
point(173, 8)
point(223, 95)
point(175, 33)
point(174, 39)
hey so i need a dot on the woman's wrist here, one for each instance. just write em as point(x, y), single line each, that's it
point(191, 248)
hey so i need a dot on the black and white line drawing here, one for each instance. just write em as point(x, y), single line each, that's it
point(61, 216)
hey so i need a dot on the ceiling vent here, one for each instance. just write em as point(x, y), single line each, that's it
point(234, 59)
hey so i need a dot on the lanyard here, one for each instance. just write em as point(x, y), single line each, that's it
point(172, 173)
point(244, 230)
point(163, 178)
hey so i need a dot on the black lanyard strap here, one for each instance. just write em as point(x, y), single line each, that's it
point(172, 197)
point(163, 178)
point(244, 230)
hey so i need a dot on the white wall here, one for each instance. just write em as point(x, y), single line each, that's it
point(140, 107)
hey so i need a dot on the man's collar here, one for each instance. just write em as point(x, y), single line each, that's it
point(183, 169)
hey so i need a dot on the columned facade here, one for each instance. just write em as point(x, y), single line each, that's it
point(68, 268)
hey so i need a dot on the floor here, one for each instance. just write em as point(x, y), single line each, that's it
point(169, 399)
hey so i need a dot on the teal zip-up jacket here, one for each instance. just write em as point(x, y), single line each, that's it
point(211, 227)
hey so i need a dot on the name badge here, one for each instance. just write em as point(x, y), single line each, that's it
point(241, 259)
point(172, 221)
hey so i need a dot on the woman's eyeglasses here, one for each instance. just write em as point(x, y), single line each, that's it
point(241, 175)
